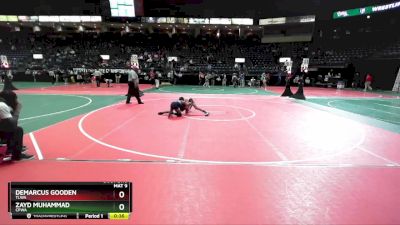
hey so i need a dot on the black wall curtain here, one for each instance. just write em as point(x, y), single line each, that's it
point(384, 71)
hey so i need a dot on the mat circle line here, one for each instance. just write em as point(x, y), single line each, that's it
point(253, 114)
point(176, 159)
point(344, 100)
point(255, 91)
point(63, 111)
point(208, 89)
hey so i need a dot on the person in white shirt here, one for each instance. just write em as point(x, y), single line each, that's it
point(5, 111)
point(52, 76)
point(307, 81)
point(108, 82)
point(97, 74)
point(9, 129)
point(224, 80)
point(117, 78)
point(79, 78)
point(157, 79)
point(264, 80)
point(34, 73)
point(252, 82)
point(207, 80)
point(234, 80)
point(57, 72)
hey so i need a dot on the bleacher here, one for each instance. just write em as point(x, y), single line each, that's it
point(77, 50)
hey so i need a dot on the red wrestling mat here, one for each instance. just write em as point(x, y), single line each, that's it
point(254, 160)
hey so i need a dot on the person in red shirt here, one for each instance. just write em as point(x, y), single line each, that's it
point(368, 81)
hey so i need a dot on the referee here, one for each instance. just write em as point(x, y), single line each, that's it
point(133, 84)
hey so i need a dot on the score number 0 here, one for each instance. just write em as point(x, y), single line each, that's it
point(121, 206)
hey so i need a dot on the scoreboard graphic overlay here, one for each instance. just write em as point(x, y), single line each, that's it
point(70, 200)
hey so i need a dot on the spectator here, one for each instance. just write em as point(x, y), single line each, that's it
point(34, 74)
point(201, 77)
point(157, 76)
point(58, 73)
point(356, 80)
point(108, 82)
point(242, 79)
point(52, 76)
point(252, 82)
point(79, 78)
point(235, 80)
point(263, 79)
point(368, 81)
point(218, 79)
point(117, 78)
point(213, 76)
point(2, 76)
point(307, 81)
point(65, 77)
point(224, 80)
point(207, 80)
point(152, 75)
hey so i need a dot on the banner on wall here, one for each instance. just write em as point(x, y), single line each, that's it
point(134, 60)
point(304, 65)
point(87, 70)
point(4, 61)
point(287, 62)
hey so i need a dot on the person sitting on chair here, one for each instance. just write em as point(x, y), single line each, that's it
point(9, 129)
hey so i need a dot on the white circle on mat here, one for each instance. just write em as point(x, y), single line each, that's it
point(208, 89)
point(252, 114)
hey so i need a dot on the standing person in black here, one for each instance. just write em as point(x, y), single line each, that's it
point(8, 85)
point(133, 84)
point(52, 76)
point(356, 80)
point(2, 76)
